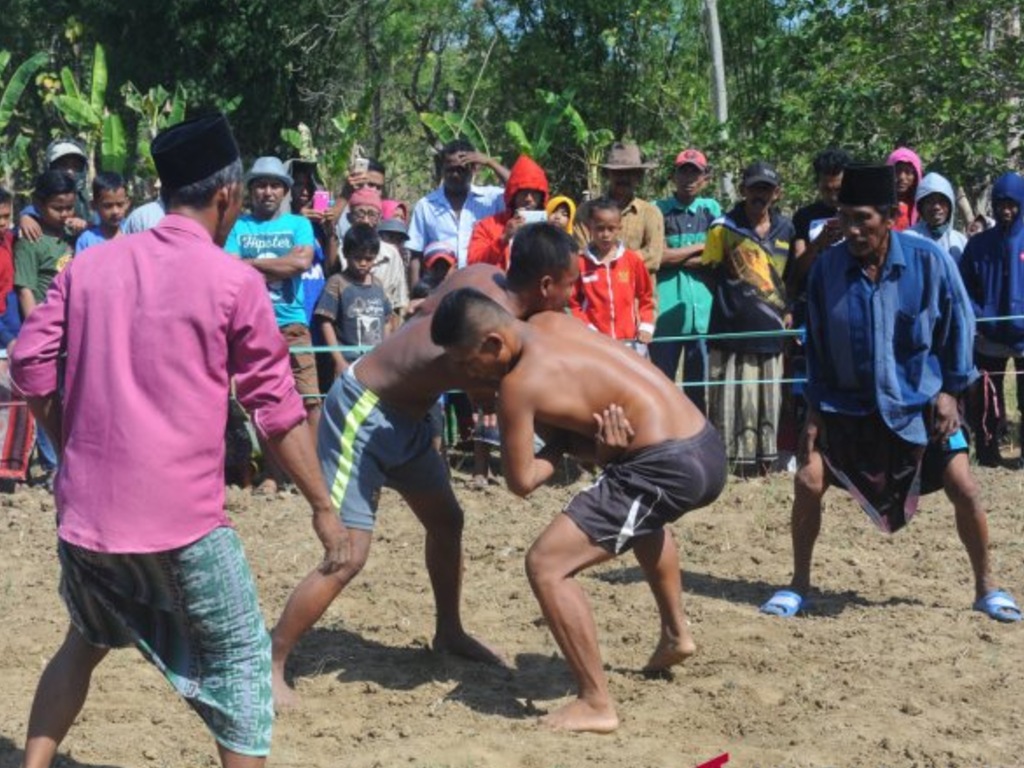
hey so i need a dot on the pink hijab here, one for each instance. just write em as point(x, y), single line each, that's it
point(390, 207)
point(905, 155)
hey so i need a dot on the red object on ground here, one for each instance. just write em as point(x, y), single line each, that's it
point(716, 762)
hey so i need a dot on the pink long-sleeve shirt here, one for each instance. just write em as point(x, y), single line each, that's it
point(154, 326)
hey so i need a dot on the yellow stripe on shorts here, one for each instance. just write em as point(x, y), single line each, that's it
point(353, 421)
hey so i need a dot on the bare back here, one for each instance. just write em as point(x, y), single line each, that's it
point(407, 370)
point(566, 373)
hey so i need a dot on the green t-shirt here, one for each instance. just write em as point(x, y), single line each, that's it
point(36, 264)
point(684, 298)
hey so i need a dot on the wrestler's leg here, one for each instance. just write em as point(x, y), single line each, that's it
point(971, 520)
point(558, 554)
point(59, 697)
point(306, 605)
point(659, 558)
point(442, 517)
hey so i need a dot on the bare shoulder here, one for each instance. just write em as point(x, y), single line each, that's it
point(552, 321)
point(486, 278)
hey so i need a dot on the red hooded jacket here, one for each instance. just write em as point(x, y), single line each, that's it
point(487, 244)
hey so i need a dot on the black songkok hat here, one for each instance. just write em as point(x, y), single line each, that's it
point(868, 185)
point(193, 150)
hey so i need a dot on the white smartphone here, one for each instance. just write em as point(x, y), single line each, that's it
point(532, 217)
point(360, 165)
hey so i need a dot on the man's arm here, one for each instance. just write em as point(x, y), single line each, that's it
point(682, 255)
point(479, 158)
point(954, 343)
point(654, 238)
point(258, 360)
point(524, 471)
point(296, 454)
point(804, 254)
point(293, 263)
point(26, 301)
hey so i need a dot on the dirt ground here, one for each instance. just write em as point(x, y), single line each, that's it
point(891, 669)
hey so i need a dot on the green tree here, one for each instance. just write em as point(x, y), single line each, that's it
point(14, 143)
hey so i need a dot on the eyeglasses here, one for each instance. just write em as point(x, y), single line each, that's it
point(365, 214)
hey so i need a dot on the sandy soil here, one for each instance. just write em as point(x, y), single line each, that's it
point(892, 668)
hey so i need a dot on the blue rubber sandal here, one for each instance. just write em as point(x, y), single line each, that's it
point(998, 605)
point(785, 604)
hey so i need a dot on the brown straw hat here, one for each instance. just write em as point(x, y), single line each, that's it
point(625, 156)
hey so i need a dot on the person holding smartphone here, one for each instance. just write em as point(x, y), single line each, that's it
point(526, 194)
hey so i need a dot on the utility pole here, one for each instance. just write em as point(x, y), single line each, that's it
point(719, 97)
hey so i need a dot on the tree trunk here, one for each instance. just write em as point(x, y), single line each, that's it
point(719, 97)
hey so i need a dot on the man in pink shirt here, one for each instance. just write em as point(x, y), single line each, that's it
point(154, 327)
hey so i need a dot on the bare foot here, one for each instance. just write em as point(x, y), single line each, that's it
point(285, 696)
point(579, 715)
point(670, 651)
point(469, 647)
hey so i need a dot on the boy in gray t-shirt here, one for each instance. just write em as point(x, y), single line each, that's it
point(353, 310)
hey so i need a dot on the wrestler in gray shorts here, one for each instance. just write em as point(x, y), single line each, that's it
point(364, 444)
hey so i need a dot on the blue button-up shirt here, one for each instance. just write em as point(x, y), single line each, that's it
point(891, 345)
point(433, 219)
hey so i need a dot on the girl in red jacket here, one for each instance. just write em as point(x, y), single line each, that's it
point(613, 294)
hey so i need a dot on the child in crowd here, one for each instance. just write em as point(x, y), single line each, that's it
point(438, 260)
point(110, 203)
point(68, 156)
point(353, 310)
point(37, 263)
point(561, 212)
point(614, 294)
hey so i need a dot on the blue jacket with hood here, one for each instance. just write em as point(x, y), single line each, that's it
point(946, 236)
point(992, 268)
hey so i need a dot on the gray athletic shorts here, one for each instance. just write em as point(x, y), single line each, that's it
point(363, 445)
point(648, 489)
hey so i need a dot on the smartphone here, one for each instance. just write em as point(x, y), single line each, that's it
point(532, 217)
point(956, 441)
point(321, 200)
point(360, 165)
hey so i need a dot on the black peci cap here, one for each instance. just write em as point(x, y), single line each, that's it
point(868, 185)
point(193, 150)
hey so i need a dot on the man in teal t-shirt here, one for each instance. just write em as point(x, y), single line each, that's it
point(684, 298)
point(279, 245)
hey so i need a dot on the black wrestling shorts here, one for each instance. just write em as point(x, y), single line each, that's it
point(648, 489)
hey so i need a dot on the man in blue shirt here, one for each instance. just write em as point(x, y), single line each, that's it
point(452, 210)
point(889, 351)
point(279, 245)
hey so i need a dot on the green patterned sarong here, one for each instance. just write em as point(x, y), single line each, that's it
point(194, 613)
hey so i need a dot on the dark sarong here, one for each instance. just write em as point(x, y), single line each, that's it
point(883, 472)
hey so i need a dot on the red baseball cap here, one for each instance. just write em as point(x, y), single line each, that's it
point(692, 157)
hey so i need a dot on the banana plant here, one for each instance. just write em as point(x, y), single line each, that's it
point(592, 144)
point(101, 129)
point(448, 126)
point(558, 107)
point(157, 109)
point(14, 150)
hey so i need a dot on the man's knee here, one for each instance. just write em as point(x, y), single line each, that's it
point(961, 487)
point(810, 480)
